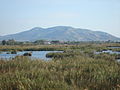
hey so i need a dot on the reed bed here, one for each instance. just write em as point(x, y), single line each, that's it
point(77, 68)
point(77, 73)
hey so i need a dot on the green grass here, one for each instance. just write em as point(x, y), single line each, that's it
point(76, 73)
point(77, 68)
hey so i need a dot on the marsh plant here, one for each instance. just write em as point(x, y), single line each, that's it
point(78, 73)
point(76, 68)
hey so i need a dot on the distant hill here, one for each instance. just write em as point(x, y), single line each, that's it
point(63, 33)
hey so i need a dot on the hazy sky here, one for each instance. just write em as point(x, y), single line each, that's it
point(21, 15)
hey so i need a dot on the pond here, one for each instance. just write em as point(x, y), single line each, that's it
point(108, 51)
point(35, 54)
point(113, 47)
point(118, 60)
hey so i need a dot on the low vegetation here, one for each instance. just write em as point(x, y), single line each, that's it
point(76, 73)
point(77, 68)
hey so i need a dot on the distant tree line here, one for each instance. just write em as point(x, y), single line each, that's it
point(46, 42)
point(11, 42)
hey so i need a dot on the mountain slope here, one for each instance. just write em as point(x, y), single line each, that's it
point(63, 33)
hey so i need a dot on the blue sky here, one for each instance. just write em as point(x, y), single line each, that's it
point(98, 15)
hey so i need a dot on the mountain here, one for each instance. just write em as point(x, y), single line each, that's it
point(64, 33)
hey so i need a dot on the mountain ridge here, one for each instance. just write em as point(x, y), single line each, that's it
point(64, 33)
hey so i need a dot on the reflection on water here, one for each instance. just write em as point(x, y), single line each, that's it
point(35, 54)
point(108, 51)
point(118, 60)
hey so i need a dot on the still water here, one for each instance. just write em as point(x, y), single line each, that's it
point(35, 54)
point(108, 51)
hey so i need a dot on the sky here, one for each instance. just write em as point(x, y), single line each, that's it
point(98, 15)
